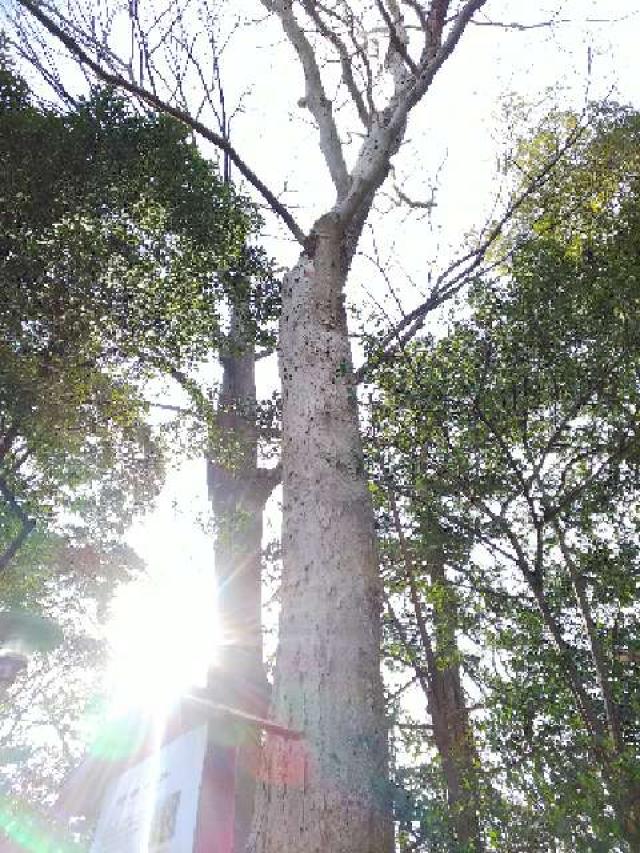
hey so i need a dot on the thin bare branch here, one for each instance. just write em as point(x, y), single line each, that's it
point(458, 274)
point(311, 8)
point(551, 22)
point(383, 141)
point(396, 40)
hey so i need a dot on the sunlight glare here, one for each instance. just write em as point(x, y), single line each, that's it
point(163, 635)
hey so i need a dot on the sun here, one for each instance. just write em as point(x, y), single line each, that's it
point(163, 636)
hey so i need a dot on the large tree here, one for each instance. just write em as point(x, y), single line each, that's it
point(124, 252)
point(127, 257)
point(328, 683)
point(333, 794)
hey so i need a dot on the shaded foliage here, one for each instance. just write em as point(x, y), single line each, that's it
point(120, 248)
point(47, 714)
point(121, 251)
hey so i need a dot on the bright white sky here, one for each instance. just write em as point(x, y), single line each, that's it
point(458, 125)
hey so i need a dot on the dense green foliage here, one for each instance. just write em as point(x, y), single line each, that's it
point(121, 250)
point(120, 247)
point(513, 444)
point(504, 457)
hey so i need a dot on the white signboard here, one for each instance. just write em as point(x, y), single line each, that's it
point(153, 807)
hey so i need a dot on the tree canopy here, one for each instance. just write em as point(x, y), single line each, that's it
point(512, 445)
point(121, 246)
point(122, 249)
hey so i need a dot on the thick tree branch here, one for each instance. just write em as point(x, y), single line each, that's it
point(26, 525)
point(10, 498)
point(315, 99)
point(6, 442)
point(535, 582)
point(434, 26)
point(387, 131)
point(267, 479)
point(397, 43)
point(595, 645)
point(119, 81)
point(16, 544)
point(564, 503)
point(567, 656)
point(421, 674)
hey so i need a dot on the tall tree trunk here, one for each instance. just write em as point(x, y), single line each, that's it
point(621, 783)
point(238, 495)
point(579, 584)
point(328, 792)
point(329, 681)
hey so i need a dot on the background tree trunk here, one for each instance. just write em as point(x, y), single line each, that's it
point(238, 498)
point(328, 792)
point(441, 681)
point(450, 717)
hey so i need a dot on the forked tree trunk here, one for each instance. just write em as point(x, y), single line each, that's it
point(327, 793)
point(329, 682)
point(238, 495)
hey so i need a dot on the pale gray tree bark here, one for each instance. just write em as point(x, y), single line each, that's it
point(331, 794)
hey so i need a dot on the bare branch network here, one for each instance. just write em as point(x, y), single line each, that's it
point(371, 45)
point(387, 52)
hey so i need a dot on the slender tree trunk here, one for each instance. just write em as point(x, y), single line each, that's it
point(238, 497)
point(595, 645)
point(456, 747)
point(27, 525)
point(625, 788)
point(328, 792)
point(621, 783)
point(624, 785)
point(584, 701)
point(445, 697)
point(451, 726)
